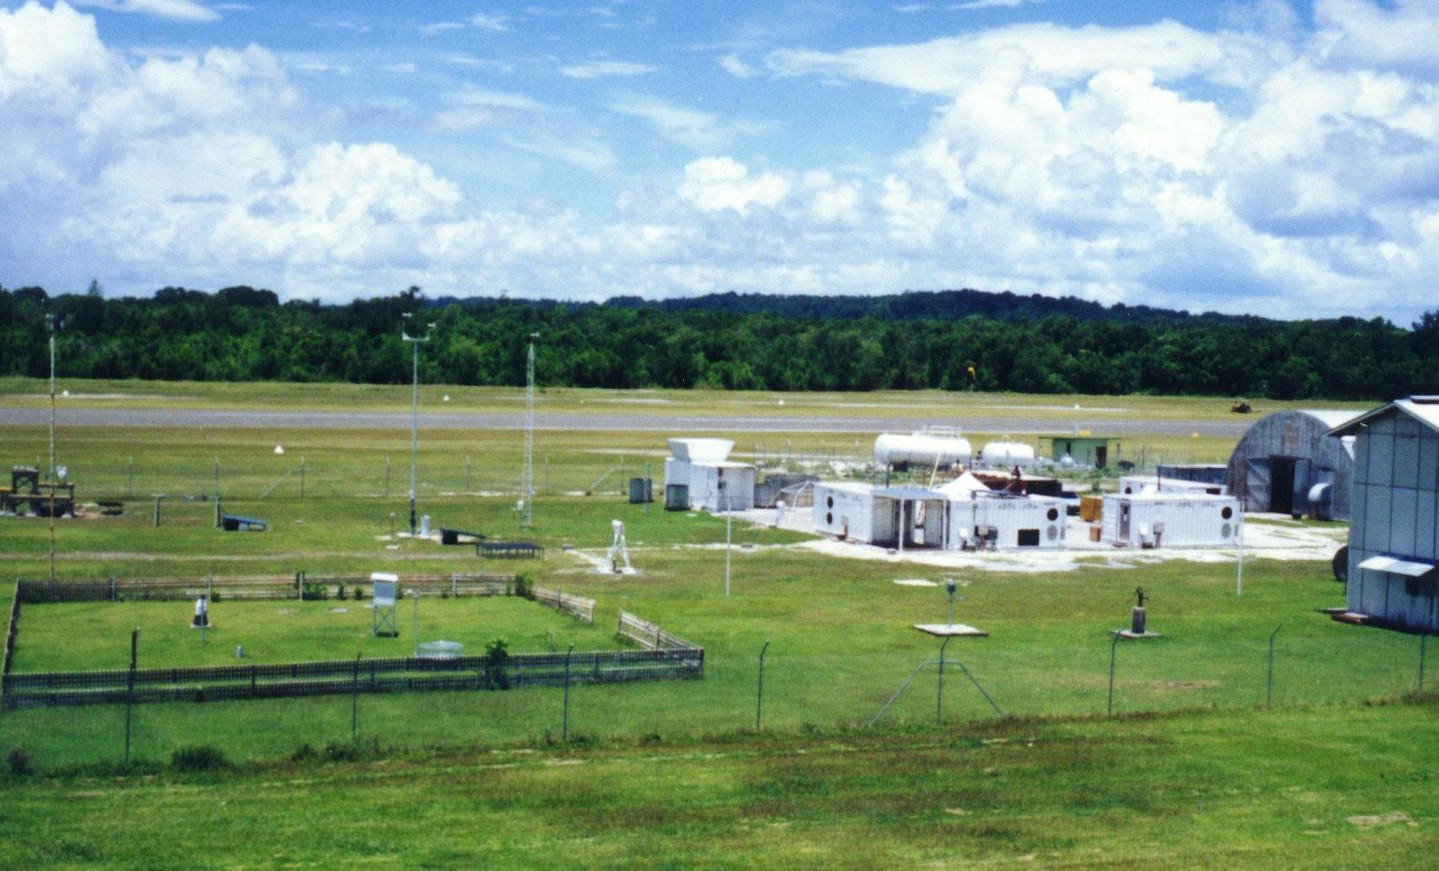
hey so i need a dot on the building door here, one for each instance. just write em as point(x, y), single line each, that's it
point(1101, 456)
point(1281, 484)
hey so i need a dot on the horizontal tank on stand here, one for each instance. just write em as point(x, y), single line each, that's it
point(921, 449)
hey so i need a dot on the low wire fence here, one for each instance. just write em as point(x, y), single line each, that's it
point(299, 586)
point(664, 656)
point(337, 677)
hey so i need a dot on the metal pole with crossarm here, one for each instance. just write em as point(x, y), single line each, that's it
point(415, 342)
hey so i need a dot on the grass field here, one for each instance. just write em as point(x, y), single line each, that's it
point(1318, 788)
point(1196, 773)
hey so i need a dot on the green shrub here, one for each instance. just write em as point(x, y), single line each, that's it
point(19, 762)
point(497, 653)
point(523, 585)
point(199, 757)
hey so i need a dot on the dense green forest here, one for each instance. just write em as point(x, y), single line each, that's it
point(728, 341)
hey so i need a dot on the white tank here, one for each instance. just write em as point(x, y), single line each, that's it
point(997, 454)
point(921, 449)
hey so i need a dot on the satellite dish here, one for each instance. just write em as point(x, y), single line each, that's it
point(279, 449)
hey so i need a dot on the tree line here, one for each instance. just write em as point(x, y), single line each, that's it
point(949, 340)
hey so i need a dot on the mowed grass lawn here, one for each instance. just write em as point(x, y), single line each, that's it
point(1330, 787)
point(1193, 771)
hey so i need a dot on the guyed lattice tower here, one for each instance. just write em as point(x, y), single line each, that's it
point(527, 471)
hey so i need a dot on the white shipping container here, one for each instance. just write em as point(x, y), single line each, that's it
point(1171, 520)
point(1018, 522)
point(848, 511)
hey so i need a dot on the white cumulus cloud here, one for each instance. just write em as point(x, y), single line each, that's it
point(717, 183)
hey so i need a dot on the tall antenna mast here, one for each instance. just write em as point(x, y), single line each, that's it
point(416, 341)
point(527, 473)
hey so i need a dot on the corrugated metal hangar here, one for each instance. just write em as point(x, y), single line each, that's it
point(1288, 463)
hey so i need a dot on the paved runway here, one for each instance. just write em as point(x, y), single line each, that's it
point(641, 418)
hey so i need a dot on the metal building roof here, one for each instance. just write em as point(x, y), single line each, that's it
point(1424, 409)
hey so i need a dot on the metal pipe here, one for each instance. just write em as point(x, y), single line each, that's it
point(939, 699)
point(1269, 685)
point(1112, 645)
point(759, 696)
point(130, 688)
point(565, 721)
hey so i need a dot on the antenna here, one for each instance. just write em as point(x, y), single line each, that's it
point(415, 341)
point(527, 471)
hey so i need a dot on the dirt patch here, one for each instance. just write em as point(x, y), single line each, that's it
point(1187, 684)
point(1376, 820)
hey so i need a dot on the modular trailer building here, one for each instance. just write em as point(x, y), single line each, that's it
point(959, 515)
point(712, 482)
point(1393, 540)
point(1170, 519)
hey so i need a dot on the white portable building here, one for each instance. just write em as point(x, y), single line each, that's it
point(1131, 484)
point(1171, 519)
point(1003, 521)
point(876, 515)
point(714, 482)
point(847, 511)
point(962, 514)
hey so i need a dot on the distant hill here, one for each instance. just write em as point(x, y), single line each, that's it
point(946, 340)
point(916, 305)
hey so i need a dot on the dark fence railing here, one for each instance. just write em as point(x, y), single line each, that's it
point(11, 629)
point(279, 680)
point(252, 587)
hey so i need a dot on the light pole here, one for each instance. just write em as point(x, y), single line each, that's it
point(50, 322)
point(415, 342)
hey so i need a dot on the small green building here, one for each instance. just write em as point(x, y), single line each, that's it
point(1084, 450)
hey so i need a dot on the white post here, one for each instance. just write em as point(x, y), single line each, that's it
point(727, 541)
point(1239, 581)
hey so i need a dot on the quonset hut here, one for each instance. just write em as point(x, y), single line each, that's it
point(1288, 463)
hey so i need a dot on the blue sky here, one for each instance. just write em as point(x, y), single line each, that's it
point(1263, 157)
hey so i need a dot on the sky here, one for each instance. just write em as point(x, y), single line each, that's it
point(1268, 158)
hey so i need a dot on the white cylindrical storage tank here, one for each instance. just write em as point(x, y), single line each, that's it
point(1005, 454)
point(921, 449)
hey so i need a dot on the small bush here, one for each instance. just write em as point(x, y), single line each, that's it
point(352, 751)
point(523, 585)
point(340, 593)
point(215, 597)
point(200, 757)
point(317, 592)
point(303, 753)
point(359, 593)
point(19, 762)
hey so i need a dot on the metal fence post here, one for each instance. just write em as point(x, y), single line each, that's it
point(1423, 637)
point(1112, 645)
point(130, 689)
point(1269, 689)
point(355, 698)
point(759, 696)
point(565, 721)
